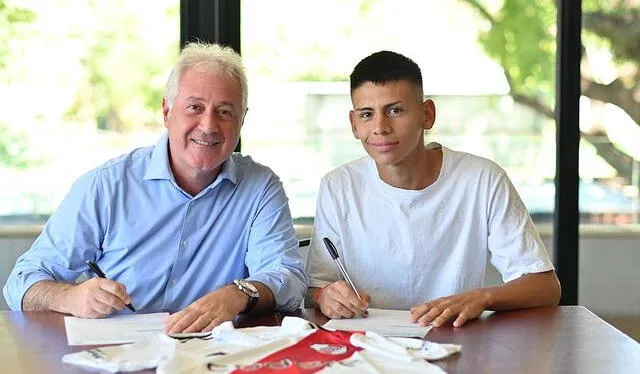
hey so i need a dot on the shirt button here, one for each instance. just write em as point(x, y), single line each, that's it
point(184, 243)
point(173, 282)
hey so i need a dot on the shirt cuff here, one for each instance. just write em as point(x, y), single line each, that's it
point(15, 293)
point(287, 295)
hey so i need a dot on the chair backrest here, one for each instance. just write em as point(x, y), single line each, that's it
point(303, 246)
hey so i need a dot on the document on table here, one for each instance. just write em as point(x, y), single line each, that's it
point(383, 321)
point(114, 329)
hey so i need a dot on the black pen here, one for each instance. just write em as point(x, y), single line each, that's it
point(94, 267)
point(334, 254)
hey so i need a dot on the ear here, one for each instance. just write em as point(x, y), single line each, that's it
point(165, 111)
point(429, 113)
point(353, 124)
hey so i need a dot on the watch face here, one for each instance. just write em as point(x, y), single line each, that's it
point(251, 287)
point(247, 287)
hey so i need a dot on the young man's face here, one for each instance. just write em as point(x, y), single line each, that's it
point(390, 119)
point(204, 122)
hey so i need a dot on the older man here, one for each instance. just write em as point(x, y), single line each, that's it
point(186, 225)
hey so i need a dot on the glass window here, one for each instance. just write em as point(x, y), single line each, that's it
point(80, 82)
point(610, 162)
point(493, 85)
point(610, 118)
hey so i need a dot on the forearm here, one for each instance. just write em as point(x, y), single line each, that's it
point(530, 290)
point(46, 296)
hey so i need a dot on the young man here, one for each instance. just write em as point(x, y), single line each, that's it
point(185, 226)
point(413, 224)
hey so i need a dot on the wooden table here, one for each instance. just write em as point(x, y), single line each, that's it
point(541, 340)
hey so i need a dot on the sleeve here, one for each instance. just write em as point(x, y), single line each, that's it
point(515, 246)
point(72, 235)
point(319, 264)
point(273, 257)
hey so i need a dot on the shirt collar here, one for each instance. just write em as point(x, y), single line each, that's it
point(159, 165)
point(228, 171)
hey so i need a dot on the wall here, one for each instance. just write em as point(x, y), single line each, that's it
point(608, 271)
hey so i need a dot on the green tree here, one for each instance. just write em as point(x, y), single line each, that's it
point(521, 37)
point(13, 145)
point(124, 66)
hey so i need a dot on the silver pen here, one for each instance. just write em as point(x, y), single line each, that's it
point(334, 254)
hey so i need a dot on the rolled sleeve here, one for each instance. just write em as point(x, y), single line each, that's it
point(273, 257)
point(71, 236)
point(18, 284)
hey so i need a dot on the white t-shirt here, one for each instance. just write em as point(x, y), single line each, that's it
point(406, 247)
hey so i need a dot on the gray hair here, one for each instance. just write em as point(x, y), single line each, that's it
point(211, 57)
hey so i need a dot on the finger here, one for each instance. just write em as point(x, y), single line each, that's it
point(350, 299)
point(364, 299)
point(199, 324)
point(444, 317)
point(430, 315)
point(109, 299)
point(350, 302)
point(418, 311)
point(181, 321)
point(462, 318)
point(117, 289)
point(342, 311)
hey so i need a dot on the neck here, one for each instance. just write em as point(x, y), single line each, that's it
point(196, 181)
point(418, 171)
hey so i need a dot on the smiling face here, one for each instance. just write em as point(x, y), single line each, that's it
point(204, 124)
point(390, 119)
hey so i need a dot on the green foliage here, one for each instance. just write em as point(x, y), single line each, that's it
point(13, 146)
point(14, 149)
point(125, 77)
point(10, 19)
point(522, 36)
point(522, 39)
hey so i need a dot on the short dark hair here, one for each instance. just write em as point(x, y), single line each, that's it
point(385, 66)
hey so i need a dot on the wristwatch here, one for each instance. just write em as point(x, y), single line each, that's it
point(250, 290)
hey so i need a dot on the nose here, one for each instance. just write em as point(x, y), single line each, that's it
point(209, 123)
point(381, 126)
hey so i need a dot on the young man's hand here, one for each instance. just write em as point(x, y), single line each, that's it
point(337, 300)
point(459, 308)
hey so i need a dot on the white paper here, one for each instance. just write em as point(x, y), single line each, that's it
point(114, 329)
point(382, 321)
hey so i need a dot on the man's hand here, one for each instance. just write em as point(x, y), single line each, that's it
point(208, 311)
point(460, 308)
point(337, 300)
point(94, 298)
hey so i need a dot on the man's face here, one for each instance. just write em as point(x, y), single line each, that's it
point(204, 123)
point(390, 119)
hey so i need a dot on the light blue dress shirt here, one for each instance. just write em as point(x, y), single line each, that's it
point(167, 247)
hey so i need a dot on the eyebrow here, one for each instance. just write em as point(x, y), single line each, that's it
point(198, 98)
point(362, 109)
